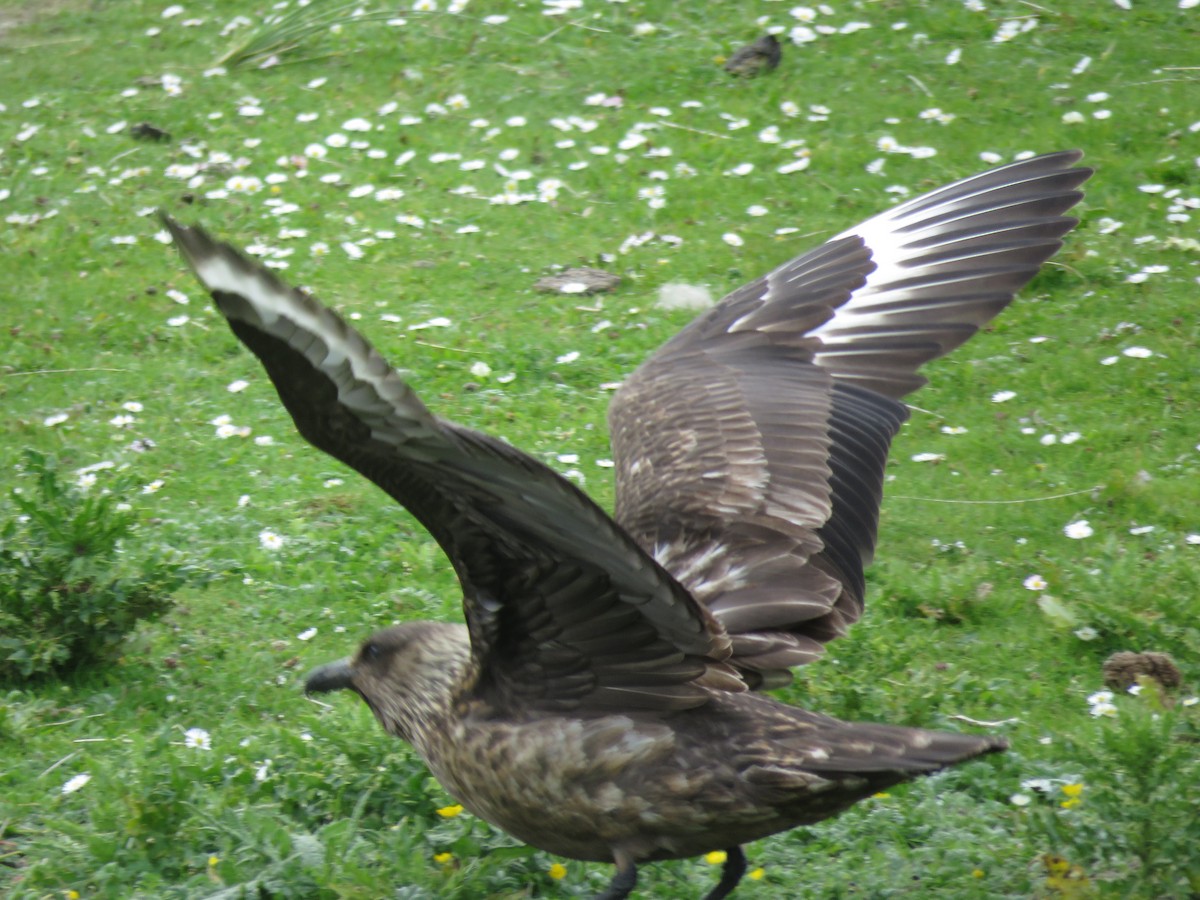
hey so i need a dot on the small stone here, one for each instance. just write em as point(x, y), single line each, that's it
point(593, 281)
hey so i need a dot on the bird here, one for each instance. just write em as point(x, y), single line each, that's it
point(761, 55)
point(604, 697)
point(1126, 668)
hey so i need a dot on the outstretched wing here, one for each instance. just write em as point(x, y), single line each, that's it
point(750, 449)
point(565, 611)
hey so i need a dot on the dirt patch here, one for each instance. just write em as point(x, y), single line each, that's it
point(23, 12)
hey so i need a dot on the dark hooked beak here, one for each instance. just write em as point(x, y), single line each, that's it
point(334, 676)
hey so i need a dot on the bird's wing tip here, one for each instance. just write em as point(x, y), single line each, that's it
point(192, 241)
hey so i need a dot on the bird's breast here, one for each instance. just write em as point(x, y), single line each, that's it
point(573, 787)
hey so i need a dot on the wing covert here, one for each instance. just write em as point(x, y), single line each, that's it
point(750, 449)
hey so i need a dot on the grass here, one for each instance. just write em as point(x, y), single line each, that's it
point(293, 799)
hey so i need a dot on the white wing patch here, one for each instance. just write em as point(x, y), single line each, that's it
point(272, 304)
point(926, 246)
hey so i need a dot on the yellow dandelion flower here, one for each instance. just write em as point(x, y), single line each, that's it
point(213, 860)
point(756, 874)
point(716, 857)
point(882, 795)
point(1072, 790)
point(977, 873)
point(557, 871)
point(443, 859)
point(1070, 804)
point(449, 812)
point(72, 895)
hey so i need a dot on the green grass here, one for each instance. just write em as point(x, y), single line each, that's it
point(341, 810)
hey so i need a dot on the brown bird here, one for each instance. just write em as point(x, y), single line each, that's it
point(599, 703)
point(1124, 669)
point(761, 55)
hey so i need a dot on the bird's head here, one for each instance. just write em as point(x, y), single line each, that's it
point(408, 674)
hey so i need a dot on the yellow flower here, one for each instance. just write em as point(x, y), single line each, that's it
point(443, 859)
point(1073, 792)
point(1056, 866)
point(1065, 879)
point(449, 812)
point(882, 795)
point(213, 860)
point(977, 873)
point(72, 895)
point(756, 874)
point(558, 871)
point(716, 857)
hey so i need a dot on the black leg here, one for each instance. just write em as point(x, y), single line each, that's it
point(731, 874)
point(623, 882)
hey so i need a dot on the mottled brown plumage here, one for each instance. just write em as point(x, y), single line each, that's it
point(1123, 670)
point(646, 785)
point(598, 702)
